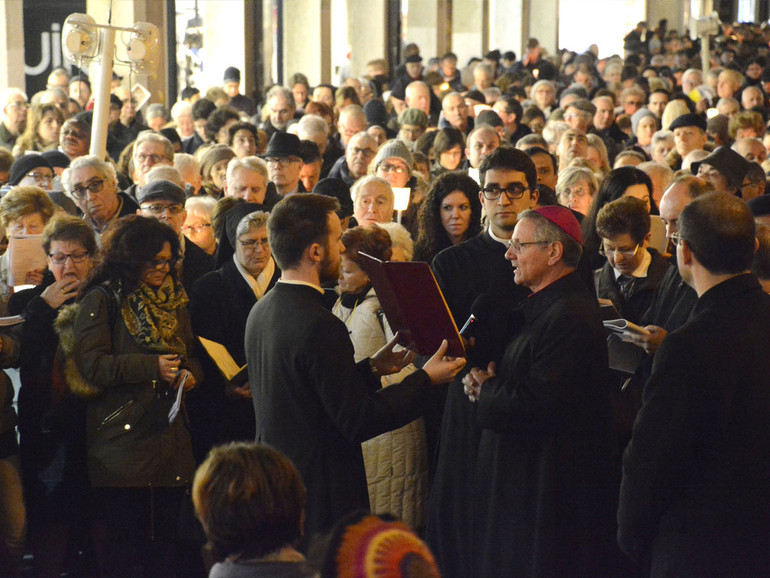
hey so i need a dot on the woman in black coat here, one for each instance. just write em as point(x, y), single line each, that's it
point(220, 304)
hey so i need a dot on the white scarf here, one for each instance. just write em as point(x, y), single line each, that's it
point(261, 283)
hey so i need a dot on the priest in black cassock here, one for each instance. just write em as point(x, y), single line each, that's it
point(544, 491)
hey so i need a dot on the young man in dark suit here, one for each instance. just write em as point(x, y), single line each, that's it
point(312, 401)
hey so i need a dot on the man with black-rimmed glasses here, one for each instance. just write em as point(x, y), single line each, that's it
point(474, 277)
point(93, 184)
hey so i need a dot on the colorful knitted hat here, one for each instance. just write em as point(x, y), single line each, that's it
point(374, 547)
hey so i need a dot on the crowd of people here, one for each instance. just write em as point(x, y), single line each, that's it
point(548, 193)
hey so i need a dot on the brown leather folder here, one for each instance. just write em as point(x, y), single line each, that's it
point(413, 305)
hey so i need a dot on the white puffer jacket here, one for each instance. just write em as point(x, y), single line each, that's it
point(396, 462)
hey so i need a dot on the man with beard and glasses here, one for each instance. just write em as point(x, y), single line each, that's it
point(312, 401)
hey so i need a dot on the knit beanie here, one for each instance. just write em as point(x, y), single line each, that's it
point(216, 153)
point(638, 116)
point(375, 547)
point(394, 148)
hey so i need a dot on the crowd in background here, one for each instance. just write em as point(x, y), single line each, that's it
point(113, 313)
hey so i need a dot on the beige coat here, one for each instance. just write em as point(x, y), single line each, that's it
point(397, 461)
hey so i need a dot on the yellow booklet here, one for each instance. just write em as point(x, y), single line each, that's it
point(225, 363)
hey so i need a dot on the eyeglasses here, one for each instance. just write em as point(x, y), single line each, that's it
point(154, 159)
point(518, 246)
point(515, 191)
point(40, 177)
point(94, 187)
point(251, 244)
point(61, 258)
point(18, 104)
point(626, 253)
point(174, 209)
point(195, 228)
point(365, 152)
point(385, 168)
point(576, 192)
point(281, 162)
point(676, 238)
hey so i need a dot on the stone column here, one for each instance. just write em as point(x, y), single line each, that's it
point(543, 23)
point(12, 45)
point(367, 32)
point(467, 30)
point(302, 39)
point(420, 23)
point(507, 25)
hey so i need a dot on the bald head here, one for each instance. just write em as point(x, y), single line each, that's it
point(680, 194)
point(418, 96)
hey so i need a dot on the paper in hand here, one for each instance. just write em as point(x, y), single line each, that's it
point(174, 411)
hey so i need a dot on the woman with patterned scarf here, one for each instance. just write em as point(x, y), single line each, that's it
point(130, 350)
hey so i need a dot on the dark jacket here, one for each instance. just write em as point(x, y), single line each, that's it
point(543, 485)
point(694, 497)
point(150, 451)
point(196, 264)
point(220, 303)
point(464, 272)
point(314, 404)
point(340, 170)
point(642, 290)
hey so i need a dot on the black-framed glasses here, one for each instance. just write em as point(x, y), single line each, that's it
point(515, 191)
point(517, 246)
point(174, 209)
point(61, 258)
point(81, 192)
point(627, 253)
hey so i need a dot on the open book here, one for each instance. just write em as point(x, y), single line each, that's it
point(623, 326)
point(414, 305)
point(225, 363)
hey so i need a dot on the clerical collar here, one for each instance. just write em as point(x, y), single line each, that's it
point(313, 285)
point(499, 239)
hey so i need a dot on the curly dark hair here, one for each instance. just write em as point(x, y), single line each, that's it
point(128, 246)
point(433, 238)
point(219, 118)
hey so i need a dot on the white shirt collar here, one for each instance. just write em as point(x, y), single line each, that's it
point(641, 270)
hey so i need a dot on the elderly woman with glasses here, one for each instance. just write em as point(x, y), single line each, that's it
point(131, 357)
point(51, 420)
point(576, 188)
point(221, 300)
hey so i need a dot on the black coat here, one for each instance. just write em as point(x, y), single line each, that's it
point(314, 404)
point(694, 498)
point(195, 264)
point(220, 303)
point(543, 486)
point(465, 271)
